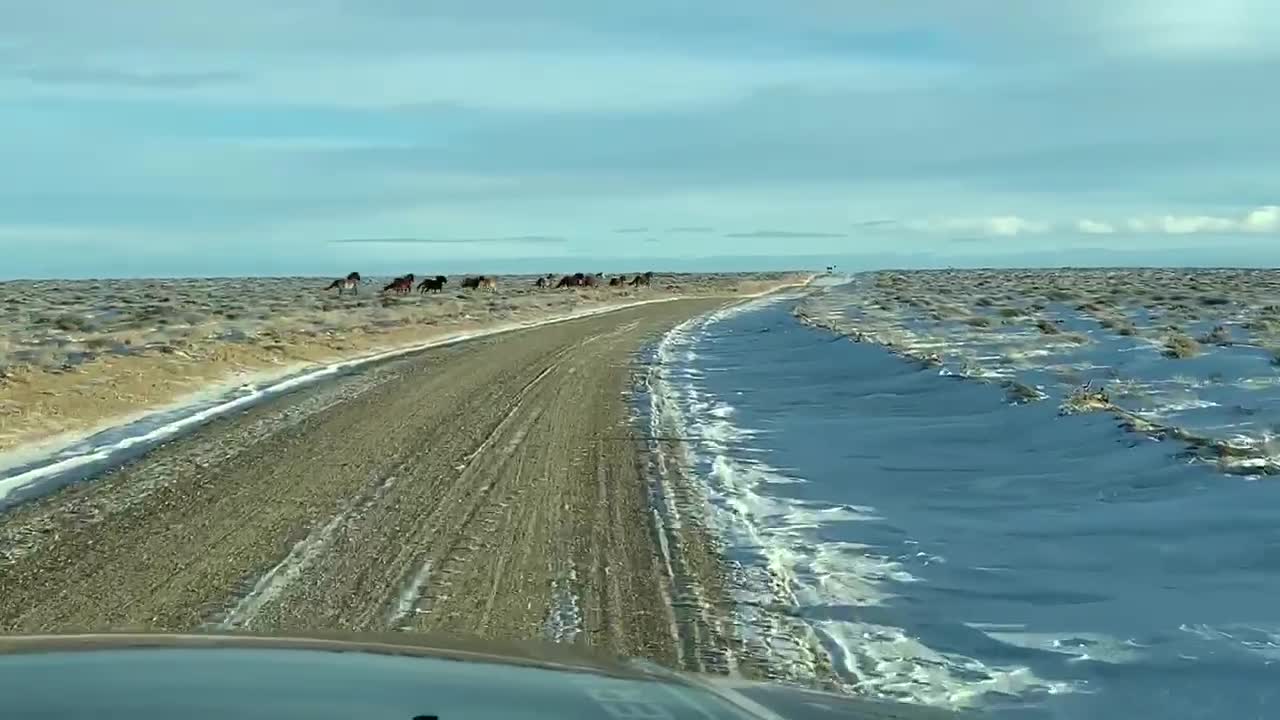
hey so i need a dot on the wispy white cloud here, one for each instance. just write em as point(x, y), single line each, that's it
point(1094, 227)
point(1264, 219)
point(1188, 27)
point(996, 226)
point(1260, 220)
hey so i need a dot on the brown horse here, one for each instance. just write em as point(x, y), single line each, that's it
point(350, 282)
point(617, 281)
point(435, 284)
point(401, 285)
point(540, 283)
point(645, 280)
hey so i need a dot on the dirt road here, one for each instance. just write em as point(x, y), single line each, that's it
point(494, 487)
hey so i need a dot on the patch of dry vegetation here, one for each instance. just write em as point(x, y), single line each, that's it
point(1119, 299)
point(1219, 335)
point(1086, 399)
point(1048, 327)
point(1179, 345)
point(1019, 393)
point(1118, 325)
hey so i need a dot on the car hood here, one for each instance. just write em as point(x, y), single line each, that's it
point(398, 676)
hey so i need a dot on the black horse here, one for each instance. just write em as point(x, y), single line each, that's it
point(435, 284)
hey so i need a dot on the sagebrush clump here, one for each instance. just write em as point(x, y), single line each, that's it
point(1180, 346)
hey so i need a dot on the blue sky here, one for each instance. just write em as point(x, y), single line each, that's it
point(233, 137)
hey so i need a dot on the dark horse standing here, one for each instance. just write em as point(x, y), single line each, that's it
point(401, 285)
point(435, 284)
point(350, 282)
point(645, 279)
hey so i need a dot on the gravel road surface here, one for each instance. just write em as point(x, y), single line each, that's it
point(495, 487)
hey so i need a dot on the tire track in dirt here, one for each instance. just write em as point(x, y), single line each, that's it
point(424, 513)
point(301, 558)
point(534, 463)
point(395, 554)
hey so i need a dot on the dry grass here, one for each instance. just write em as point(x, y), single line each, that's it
point(1076, 338)
point(1178, 345)
point(1111, 322)
point(1020, 393)
point(1219, 335)
point(1117, 298)
point(1086, 399)
point(1048, 327)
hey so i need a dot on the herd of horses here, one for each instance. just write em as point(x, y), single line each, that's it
point(589, 280)
point(404, 285)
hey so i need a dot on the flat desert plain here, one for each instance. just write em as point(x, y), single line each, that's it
point(75, 355)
